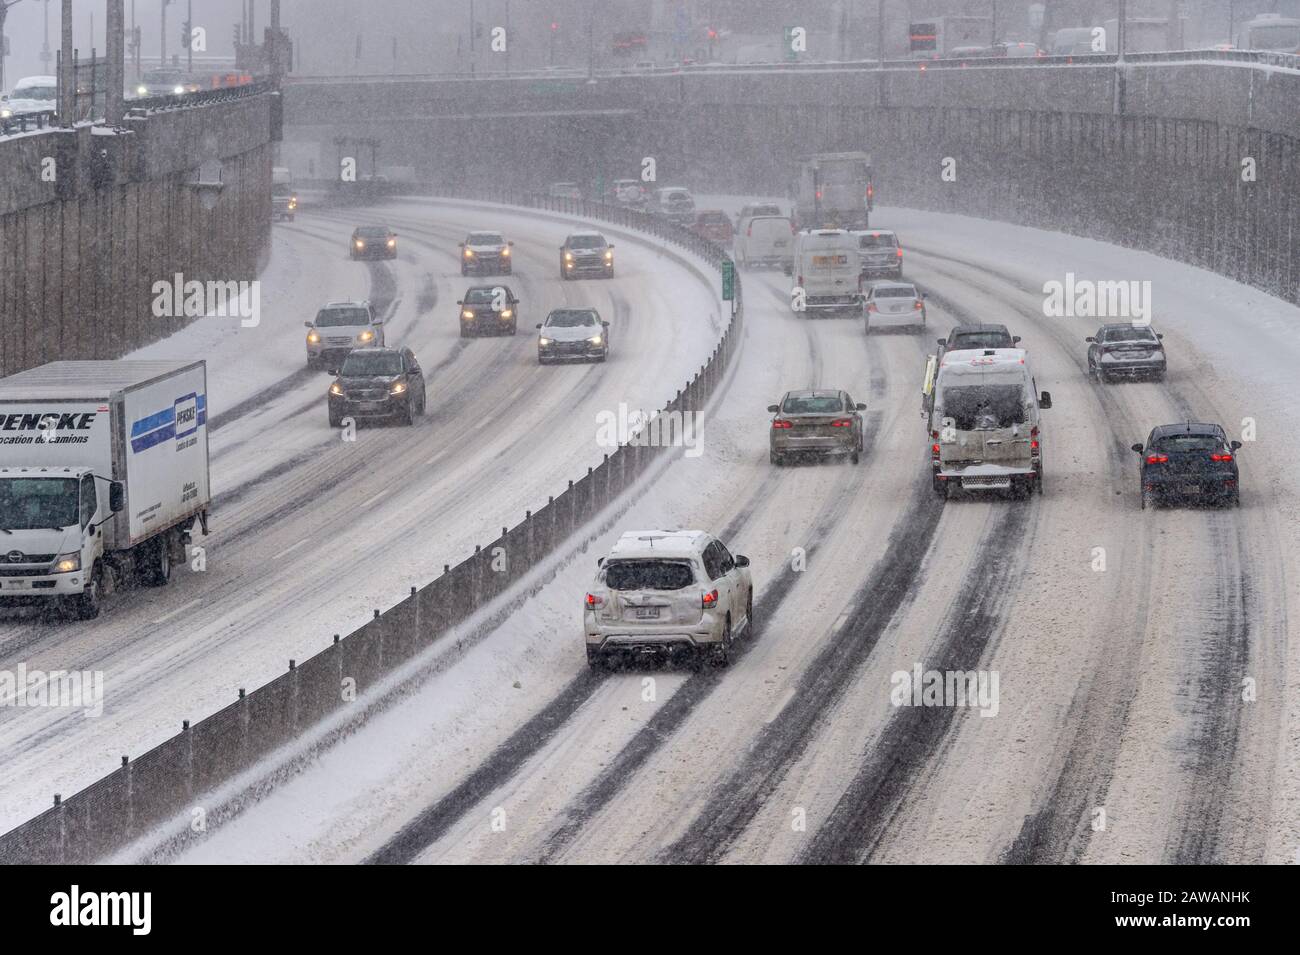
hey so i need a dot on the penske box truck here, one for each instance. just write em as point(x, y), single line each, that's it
point(103, 473)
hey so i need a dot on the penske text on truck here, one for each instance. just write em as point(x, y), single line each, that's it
point(103, 474)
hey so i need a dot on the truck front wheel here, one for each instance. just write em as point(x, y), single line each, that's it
point(85, 605)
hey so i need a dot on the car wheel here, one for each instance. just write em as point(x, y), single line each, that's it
point(866, 326)
point(596, 659)
point(86, 605)
point(336, 420)
point(407, 416)
point(1160, 376)
point(854, 457)
point(721, 655)
point(1148, 499)
point(775, 459)
point(749, 613)
point(514, 327)
point(940, 486)
point(464, 330)
point(603, 356)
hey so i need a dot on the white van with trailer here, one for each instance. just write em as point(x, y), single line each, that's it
point(982, 409)
point(826, 267)
point(103, 473)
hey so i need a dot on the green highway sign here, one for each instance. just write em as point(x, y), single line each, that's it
point(728, 280)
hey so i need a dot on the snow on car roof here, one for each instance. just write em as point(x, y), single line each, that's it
point(983, 357)
point(662, 543)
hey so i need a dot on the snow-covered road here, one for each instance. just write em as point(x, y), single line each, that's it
point(1148, 709)
point(310, 533)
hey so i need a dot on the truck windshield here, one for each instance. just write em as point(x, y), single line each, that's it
point(33, 503)
point(984, 407)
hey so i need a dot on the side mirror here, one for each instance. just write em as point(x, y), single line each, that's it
point(1045, 400)
point(1090, 338)
point(510, 244)
point(742, 560)
point(539, 324)
point(606, 324)
point(1137, 448)
point(377, 321)
point(332, 372)
point(943, 342)
point(861, 406)
point(1015, 339)
point(460, 245)
point(308, 325)
point(116, 496)
point(600, 561)
point(1160, 336)
point(925, 295)
point(1234, 445)
point(774, 408)
point(460, 301)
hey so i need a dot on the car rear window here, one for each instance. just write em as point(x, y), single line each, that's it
point(713, 218)
point(877, 242)
point(1189, 442)
point(976, 407)
point(764, 210)
point(963, 340)
point(894, 293)
point(648, 574)
point(812, 404)
point(481, 296)
point(334, 317)
point(1136, 334)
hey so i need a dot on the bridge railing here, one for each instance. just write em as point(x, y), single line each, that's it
point(153, 788)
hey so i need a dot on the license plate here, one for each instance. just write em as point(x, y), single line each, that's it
point(646, 613)
point(1191, 489)
point(779, 243)
point(370, 405)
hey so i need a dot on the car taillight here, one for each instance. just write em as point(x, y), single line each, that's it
point(841, 423)
point(918, 305)
point(779, 423)
point(871, 190)
point(1220, 457)
point(934, 452)
point(710, 600)
point(749, 230)
point(871, 306)
point(900, 253)
point(793, 230)
point(1157, 459)
point(800, 280)
point(819, 193)
point(594, 601)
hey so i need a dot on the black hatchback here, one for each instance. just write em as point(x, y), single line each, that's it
point(1189, 462)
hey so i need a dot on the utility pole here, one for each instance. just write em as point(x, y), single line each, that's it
point(189, 36)
point(46, 55)
point(591, 41)
point(880, 40)
point(4, 12)
point(67, 70)
point(115, 74)
point(162, 38)
point(1122, 28)
point(471, 37)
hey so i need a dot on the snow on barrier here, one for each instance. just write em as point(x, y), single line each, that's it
point(147, 791)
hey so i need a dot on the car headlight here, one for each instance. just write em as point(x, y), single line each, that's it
point(568, 256)
point(507, 312)
point(67, 563)
point(505, 253)
point(392, 243)
point(313, 337)
point(544, 341)
point(467, 314)
point(178, 90)
point(336, 389)
point(398, 388)
point(609, 254)
point(142, 91)
point(595, 340)
point(360, 244)
point(6, 113)
point(293, 203)
point(366, 337)
point(469, 253)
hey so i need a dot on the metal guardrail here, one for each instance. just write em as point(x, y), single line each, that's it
point(152, 789)
point(1250, 57)
point(27, 122)
point(143, 105)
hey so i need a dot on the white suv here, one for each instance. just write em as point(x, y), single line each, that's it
point(660, 591)
point(340, 327)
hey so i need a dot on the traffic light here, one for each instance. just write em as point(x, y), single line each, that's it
point(713, 34)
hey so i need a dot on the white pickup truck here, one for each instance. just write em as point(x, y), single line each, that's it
point(103, 472)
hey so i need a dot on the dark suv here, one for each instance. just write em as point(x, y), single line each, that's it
point(373, 242)
point(586, 253)
point(1189, 462)
point(377, 383)
point(488, 308)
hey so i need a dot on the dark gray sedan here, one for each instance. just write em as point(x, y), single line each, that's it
point(1126, 351)
point(816, 422)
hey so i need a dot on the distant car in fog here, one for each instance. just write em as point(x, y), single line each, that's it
point(628, 192)
point(165, 82)
point(488, 308)
point(486, 253)
point(764, 241)
point(586, 253)
point(893, 303)
point(675, 204)
point(713, 224)
point(564, 190)
point(572, 333)
point(1125, 350)
point(373, 242)
point(377, 383)
point(31, 94)
point(1077, 41)
point(880, 254)
point(1188, 462)
point(1270, 31)
point(338, 328)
